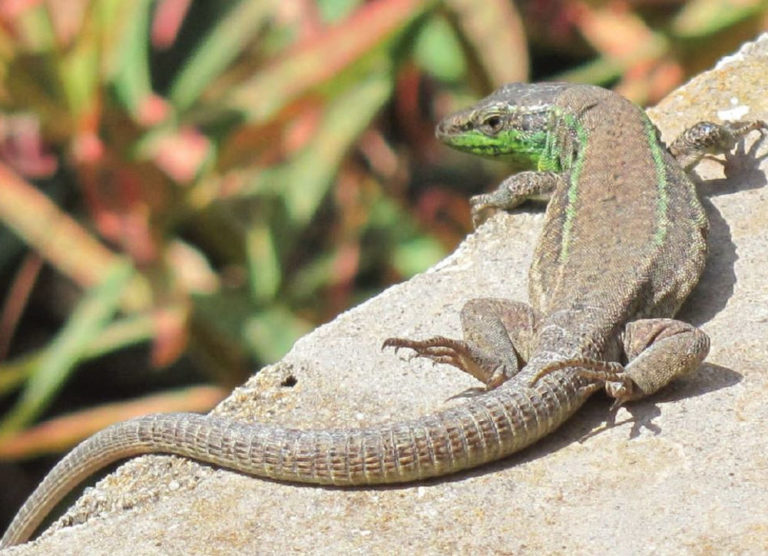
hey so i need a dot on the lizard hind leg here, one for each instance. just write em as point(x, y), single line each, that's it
point(658, 351)
point(497, 338)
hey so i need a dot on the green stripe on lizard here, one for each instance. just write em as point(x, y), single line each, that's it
point(573, 190)
point(662, 187)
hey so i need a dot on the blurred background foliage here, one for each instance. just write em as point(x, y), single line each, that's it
point(188, 187)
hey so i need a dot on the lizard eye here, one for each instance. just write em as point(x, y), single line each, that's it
point(493, 124)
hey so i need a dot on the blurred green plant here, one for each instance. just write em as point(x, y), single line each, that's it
point(219, 177)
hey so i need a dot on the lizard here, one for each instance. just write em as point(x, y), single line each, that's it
point(622, 246)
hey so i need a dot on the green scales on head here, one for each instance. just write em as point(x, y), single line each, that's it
point(514, 123)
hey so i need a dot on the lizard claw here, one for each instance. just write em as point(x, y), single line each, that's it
point(390, 342)
point(459, 354)
point(399, 343)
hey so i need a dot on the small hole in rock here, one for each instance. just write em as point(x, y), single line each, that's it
point(289, 381)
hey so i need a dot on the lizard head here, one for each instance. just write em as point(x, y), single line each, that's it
point(512, 123)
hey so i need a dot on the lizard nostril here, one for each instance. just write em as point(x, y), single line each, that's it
point(442, 129)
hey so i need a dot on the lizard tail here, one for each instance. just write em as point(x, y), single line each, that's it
point(487, 428)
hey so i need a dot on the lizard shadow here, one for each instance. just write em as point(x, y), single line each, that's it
point(595, 417)
point(708, 378)
point(718, 280)
point(742, 170)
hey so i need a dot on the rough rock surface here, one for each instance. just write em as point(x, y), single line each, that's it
point(685, 471)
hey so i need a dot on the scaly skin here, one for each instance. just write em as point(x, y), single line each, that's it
point(499, 423)
point(623, 244)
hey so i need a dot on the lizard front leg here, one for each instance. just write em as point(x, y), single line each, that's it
point(657, 350)
point(513, 191)
point(497, 338)
point(709, 138)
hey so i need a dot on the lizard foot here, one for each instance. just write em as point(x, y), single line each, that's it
point(456, 353)
point(618, 383)
point(439, 348)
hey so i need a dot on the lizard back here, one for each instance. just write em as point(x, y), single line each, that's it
point(628, 218)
